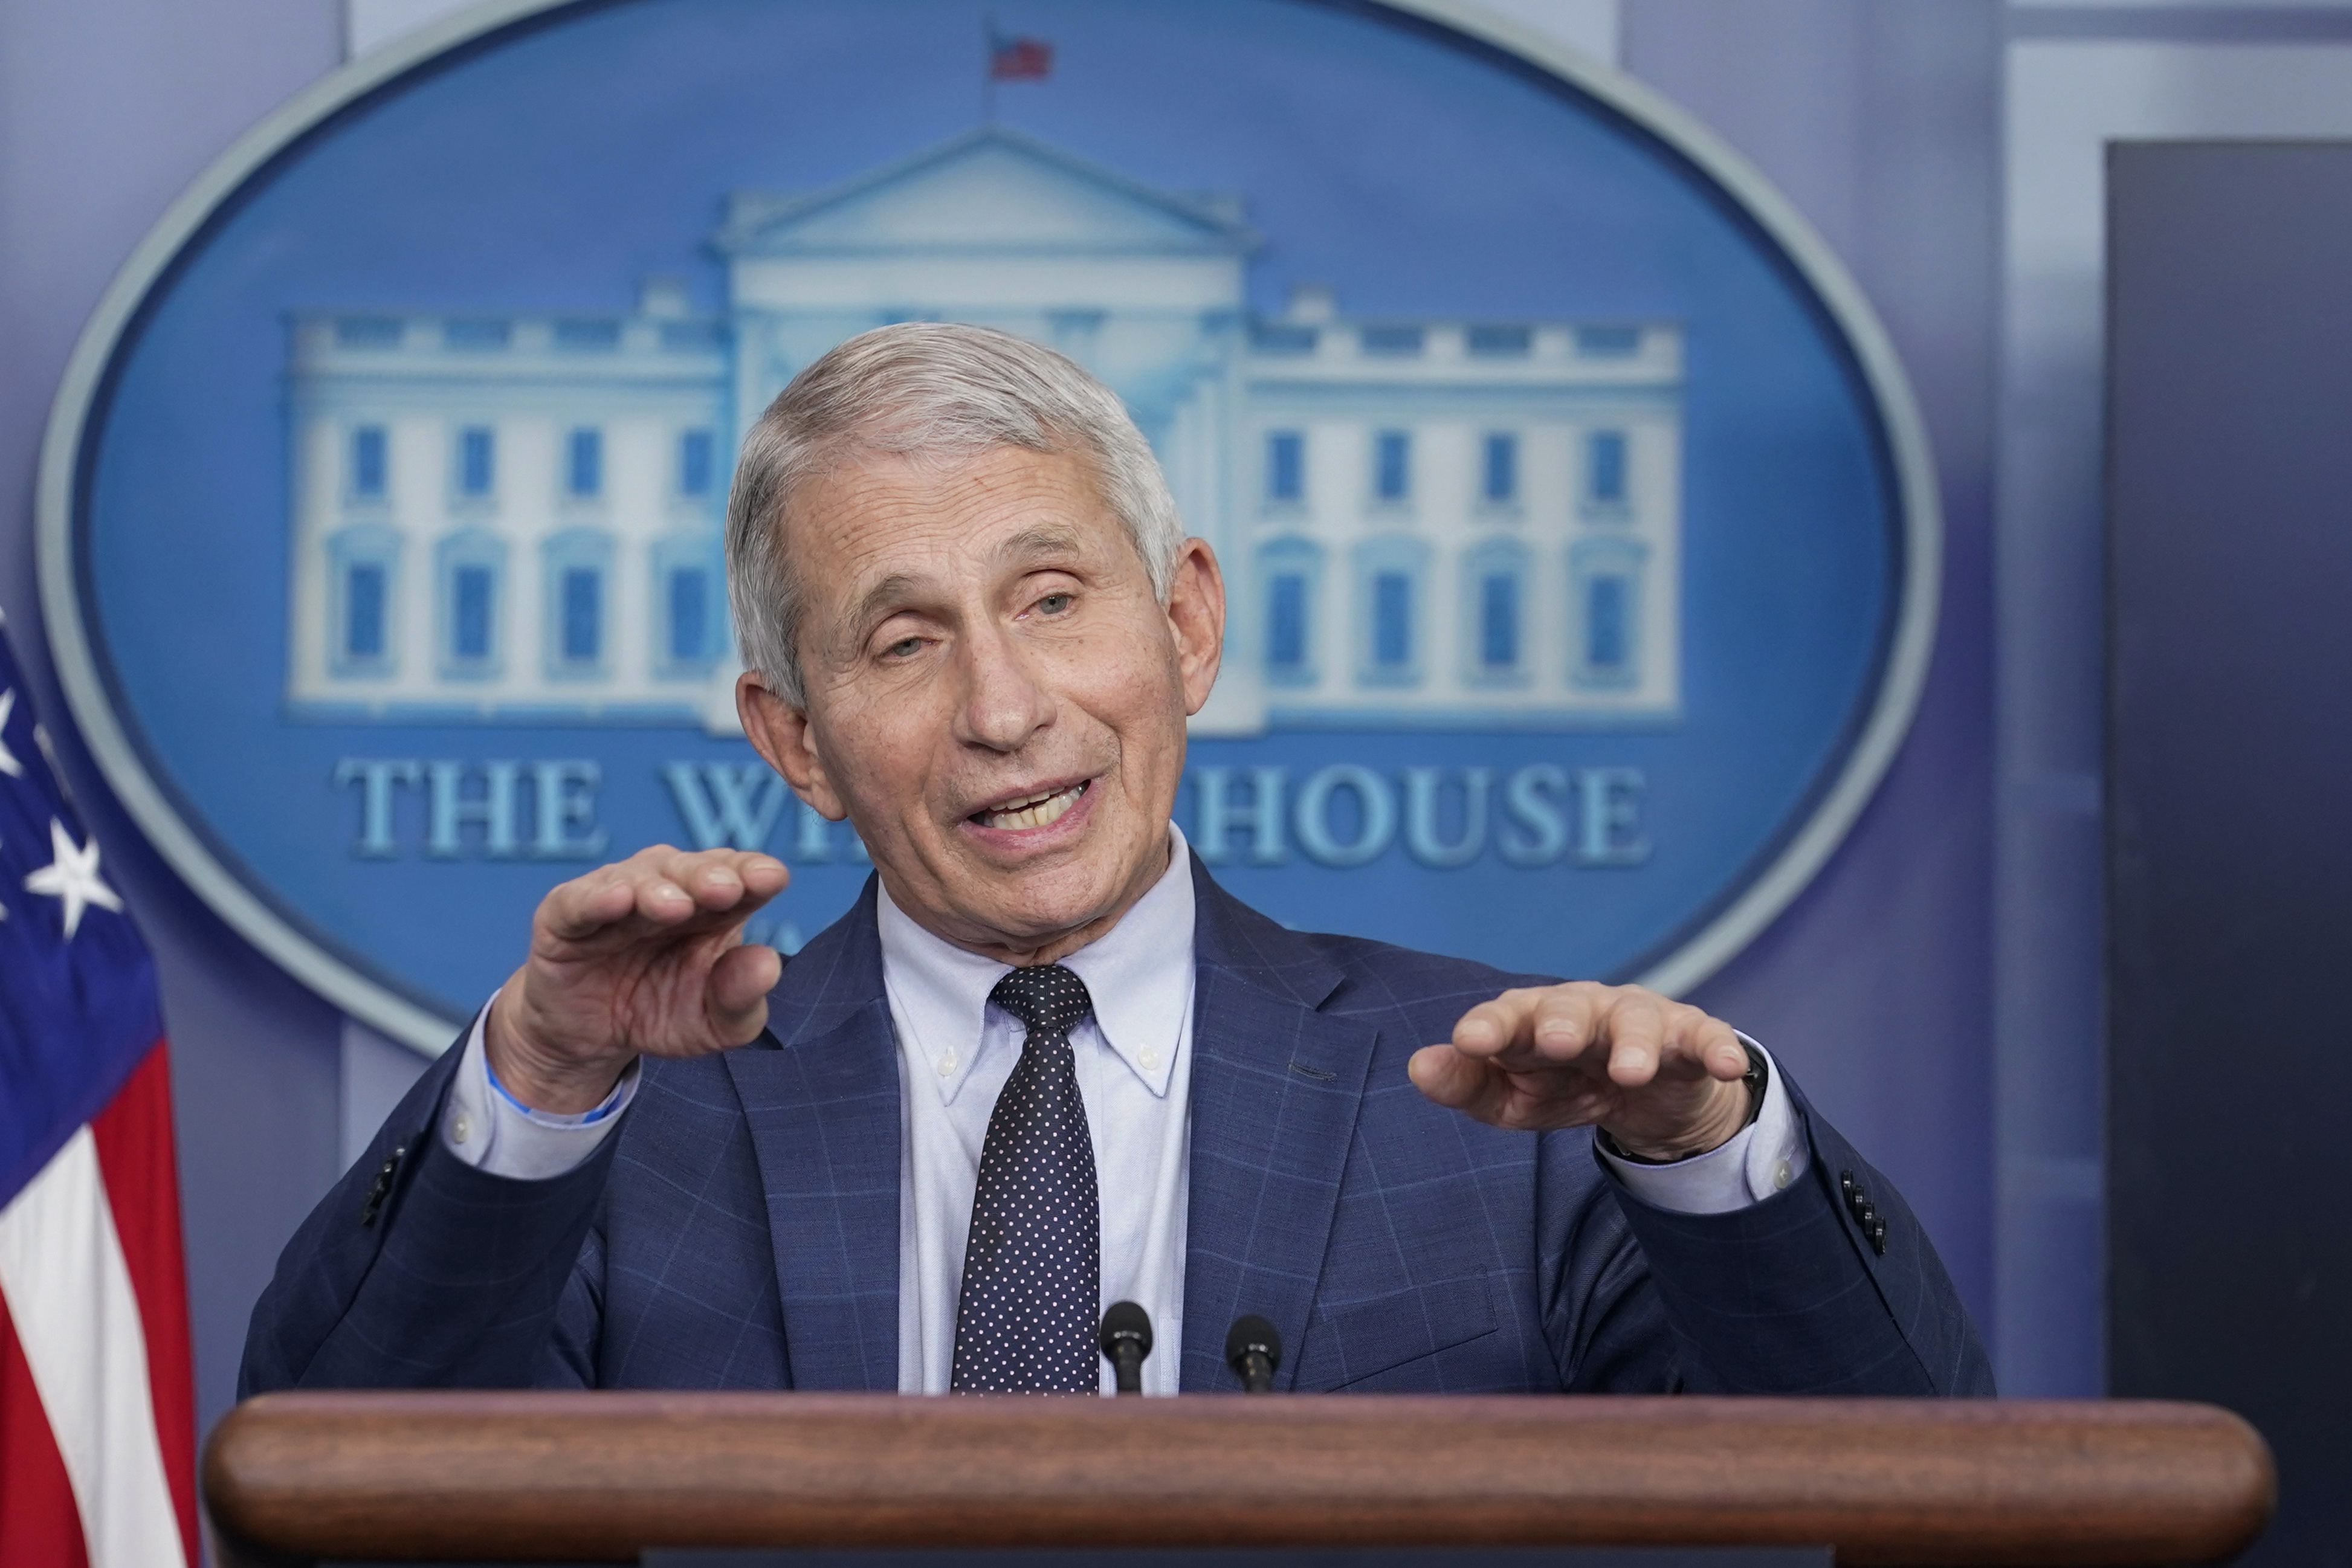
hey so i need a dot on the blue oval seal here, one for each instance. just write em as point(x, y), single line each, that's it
point(1580, 533)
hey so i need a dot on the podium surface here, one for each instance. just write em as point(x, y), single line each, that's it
point(606, 1477)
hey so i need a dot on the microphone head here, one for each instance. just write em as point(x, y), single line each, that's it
point(1126, 1323)
point(1249, 1333)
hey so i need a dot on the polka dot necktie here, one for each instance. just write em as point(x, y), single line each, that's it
point(1033, 1270)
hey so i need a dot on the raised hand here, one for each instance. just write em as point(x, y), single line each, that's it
point(1660, 1076)
point(645, 957)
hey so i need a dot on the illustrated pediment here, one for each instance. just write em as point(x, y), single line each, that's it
point(989, 191)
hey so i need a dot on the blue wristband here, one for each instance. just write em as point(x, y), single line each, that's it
point(598, 1115)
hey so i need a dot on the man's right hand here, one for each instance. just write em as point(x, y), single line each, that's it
point(642, 958)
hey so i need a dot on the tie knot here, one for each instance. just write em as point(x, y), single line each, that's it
point(1047, 997)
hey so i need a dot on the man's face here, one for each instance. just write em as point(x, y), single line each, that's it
point(994, 696)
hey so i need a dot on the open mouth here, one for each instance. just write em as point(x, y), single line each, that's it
point(1033, 811)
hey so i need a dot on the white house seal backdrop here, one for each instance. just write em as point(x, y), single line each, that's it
point(1579, 531)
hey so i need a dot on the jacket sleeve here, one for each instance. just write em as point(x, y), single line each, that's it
point(419, 1271)
point(1795, 1295)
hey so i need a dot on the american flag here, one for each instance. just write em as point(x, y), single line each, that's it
point(97, 1411)
point(1019, 59)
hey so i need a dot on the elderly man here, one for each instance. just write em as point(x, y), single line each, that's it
point(1046, 1063)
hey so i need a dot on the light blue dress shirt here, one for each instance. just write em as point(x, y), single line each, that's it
point(1134, 1064)
point(1134, 1071)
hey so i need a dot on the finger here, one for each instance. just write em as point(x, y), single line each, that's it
point(765, 876)
point(736, 996)
point(1716, 1046)
point(708, 877)
point(1635, 1029)
point(720, 879)
point(678, 885)
point(580, 908)
point(661, 901)
point(1698, 1046)
point(1563, 1022)
point(661, 888)
point(1460, 1080)
point(1494, 1026)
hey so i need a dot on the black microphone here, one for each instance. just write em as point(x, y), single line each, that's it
point(1254, 1349)
point(1125, 1338)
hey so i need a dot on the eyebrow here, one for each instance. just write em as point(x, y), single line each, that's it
point(1030, 544)
point(874, 599)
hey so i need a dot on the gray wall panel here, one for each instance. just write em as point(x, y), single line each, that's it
point(2230, 753)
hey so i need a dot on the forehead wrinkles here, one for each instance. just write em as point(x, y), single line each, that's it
point(863, 516)
point(849, 521)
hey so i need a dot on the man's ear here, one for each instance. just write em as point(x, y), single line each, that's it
point(1196, 614)
point(780, 733)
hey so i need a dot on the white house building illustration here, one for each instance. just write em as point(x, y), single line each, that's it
point(1469, 523)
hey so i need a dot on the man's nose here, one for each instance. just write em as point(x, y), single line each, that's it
point(1003, 702)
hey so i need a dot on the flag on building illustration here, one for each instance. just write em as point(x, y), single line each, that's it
point(97, 1409)
point(1019, 59)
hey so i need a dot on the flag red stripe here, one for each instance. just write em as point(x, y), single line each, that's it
point(39, 1526)
point(1021, 59)
point(133, 1135)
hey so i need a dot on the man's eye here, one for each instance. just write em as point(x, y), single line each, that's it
point(904, 648)
point(1054, 603)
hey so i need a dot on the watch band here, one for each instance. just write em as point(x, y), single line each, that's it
point(1757, 1077)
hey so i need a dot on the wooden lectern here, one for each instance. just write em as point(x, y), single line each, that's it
point(475, 1477)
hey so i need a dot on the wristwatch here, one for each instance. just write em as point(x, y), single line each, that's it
point(1758, 1075)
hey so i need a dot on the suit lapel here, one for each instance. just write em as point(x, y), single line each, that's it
point(1275, 1087)
point(820, 1093)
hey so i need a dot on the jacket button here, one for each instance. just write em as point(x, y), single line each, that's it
point(381, 1187)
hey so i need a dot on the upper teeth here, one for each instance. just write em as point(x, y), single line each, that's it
point(1035, 810)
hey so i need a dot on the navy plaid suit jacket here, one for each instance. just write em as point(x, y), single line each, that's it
point(740, 1231)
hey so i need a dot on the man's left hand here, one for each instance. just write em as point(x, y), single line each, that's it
point(1660, 1076)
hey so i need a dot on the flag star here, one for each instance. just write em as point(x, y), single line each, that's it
point(72, 876)
point(8, 763)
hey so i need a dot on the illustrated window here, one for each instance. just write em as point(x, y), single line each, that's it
point(1285, 467)
point(476, 460)
point(1392, 467)
point(584, 464)
point(371, 463)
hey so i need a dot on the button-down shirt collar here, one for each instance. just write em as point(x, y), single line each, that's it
point(1139, 975)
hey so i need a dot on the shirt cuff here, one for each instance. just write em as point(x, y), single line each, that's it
point(498, 1135)
point(1760, 1159)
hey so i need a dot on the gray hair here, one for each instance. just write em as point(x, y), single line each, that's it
point(926, 390)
